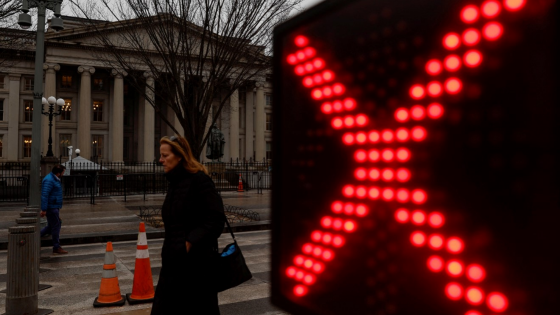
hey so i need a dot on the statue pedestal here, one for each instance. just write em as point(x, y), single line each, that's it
point(47, 164)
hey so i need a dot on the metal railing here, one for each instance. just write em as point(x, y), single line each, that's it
point(14, 188)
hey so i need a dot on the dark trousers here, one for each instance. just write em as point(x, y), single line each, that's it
point(53, 227)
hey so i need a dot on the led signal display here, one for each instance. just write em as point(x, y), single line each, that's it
point(415, 159)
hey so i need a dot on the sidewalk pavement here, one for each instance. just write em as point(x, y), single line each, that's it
point(113, 219)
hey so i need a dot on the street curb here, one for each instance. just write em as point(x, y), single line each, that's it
point(122, 237)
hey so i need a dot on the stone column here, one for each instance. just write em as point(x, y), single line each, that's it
point(50, 90)
point(84, 112)
point(117, 115)
point(260, 121)
point(149, 122)
point(13, 118)
point(234, 125)
point(249, 124)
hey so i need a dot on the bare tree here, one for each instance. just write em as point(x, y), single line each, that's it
point(12, 41)
point(199, 51)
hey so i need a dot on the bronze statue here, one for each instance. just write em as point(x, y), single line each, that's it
point(216, 143)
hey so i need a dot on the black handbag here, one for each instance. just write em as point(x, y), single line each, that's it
point(231, 267)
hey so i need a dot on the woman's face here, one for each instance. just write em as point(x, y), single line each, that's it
point(167, 158)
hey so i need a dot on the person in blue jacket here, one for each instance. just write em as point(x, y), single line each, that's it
point(51, 203)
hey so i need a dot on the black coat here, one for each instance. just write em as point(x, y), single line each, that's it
point(192, 211)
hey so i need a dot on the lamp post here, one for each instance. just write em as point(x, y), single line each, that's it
point(56, 24)
point(51, 113)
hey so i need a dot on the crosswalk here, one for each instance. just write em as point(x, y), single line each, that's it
point(76, 277)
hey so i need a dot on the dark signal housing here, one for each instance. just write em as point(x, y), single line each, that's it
point(415, 158)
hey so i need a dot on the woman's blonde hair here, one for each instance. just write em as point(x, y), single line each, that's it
point(180, 147)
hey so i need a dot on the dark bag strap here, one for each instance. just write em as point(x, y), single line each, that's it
point(230, 231)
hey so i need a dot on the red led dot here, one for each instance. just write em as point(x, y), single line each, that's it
point(472, 58)
point(317, 79)
point(361, 120)
point(471, 37)
point(403, 154)
point(326, 222)
point(491, 9)
point(349, 208)
point(328, 75)
point(436, 219)
point(301, 41)
point(327, 108)
point(418, 217)
point(402, 195)
point(309, 52)
point(327, 91)
point(387, 155)
point(402, 134)
point(360, 174)
point(453, 85)
point(291, 272)
point(317, 251)
point(337, 106)
point(433, 67)
point(360, 155)
point(419, 196)
point(374, 193)
point(401, 114)
point(292, 59)
point(403, 175)
point(299, 70)
point(455, 245)
point(300, 290)
point(452, 63)
point(402, 215)
point(471, 312)
point(374, 174)
point(308, 82)
point(308, 263)
point(317, 94)
point(338, 89)
point(388, 174)
point(361, 210)
point(418, 238)
point(451, 41)
point(497, 302)
point(361, 192)
point(298, 260)
point(435, 263)
point(387, 135)
point(348, 191)
point(474, 295)
point(327, 238)
point(299, 275)
point(361, 137)
point(469, 14)
point(374, 136)
point(492, 31)
point(318, 63)
point(388, 194)
point(454, 268)
point(308, 67)
point(514, 5)
point(300, 55)
point(349, 121)
point(419, 133)
point(338, 241)
point(435, 241)
point(337, 224)
point(417, 112)
point(349, 104)
point(307, 248)
point(374, 155)
point(476, 273)
point(349, 226)
point(309, 279)
point(318, 267)
point(434, 88)
point(316, 236)
point(435, 110)
point(454, 291)
point(328, 255)
point(417, 92)
point(348, 138)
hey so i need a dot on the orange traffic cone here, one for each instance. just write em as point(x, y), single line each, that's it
point(143, 286)
point(109, 292)
point(240, 186)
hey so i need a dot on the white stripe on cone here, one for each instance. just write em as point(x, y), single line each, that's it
point(142, 239)
point(142, 253)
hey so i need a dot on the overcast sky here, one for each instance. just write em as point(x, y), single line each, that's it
point(308, 3)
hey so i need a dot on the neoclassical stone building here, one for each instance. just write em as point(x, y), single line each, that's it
point(104, 116)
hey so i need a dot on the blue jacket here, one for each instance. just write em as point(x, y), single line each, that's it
point(51, 193)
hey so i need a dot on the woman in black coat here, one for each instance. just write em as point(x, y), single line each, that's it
point(193, 215)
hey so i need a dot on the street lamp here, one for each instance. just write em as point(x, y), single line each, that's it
point(51, 101)
point(56, 24)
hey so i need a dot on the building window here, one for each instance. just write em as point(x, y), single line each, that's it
point(268, 100)
point(2, 86)
point(27, 146)
point(1, 110)
point(97, 111)
point(97, 147)
point(66, 110)
point(1, 146)
point(65, 142)
point(66, 81)
point(98, 84)
point(269, 122)
point(28, 111)
point(268, 150)
point(29, 84)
